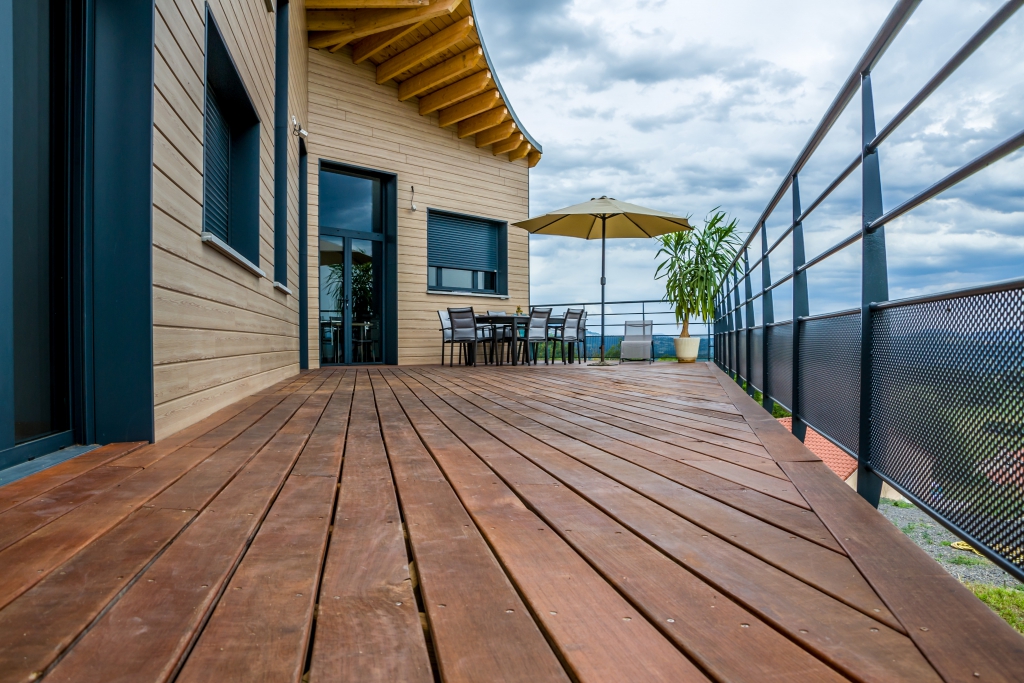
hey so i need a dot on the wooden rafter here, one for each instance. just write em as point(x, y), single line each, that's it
point(456, 92)
point(371, 45)
point(471, 107)
point(508, 144)
point(533, 158)
point(481, 122)
point(496, 134)
point(458, 65)
point(365, 4)
point(520, 152)
point(424, 50)
point(337, 27)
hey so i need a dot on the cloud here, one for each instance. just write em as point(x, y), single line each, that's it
point(684, 106)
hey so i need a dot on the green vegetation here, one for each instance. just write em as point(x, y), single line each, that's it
point(909, 528)
point(1006, 602)
point(946, 543)
point(901, 504)
point(967, 560)
point(696, 261)
point(777, 410)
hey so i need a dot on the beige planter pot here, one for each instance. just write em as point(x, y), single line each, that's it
point(687, 348)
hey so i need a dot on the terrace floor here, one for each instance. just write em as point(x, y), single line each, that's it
point(532, 524)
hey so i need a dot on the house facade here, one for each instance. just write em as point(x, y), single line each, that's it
point(200, 199)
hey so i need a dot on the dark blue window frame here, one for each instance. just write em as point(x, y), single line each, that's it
point(281, 132)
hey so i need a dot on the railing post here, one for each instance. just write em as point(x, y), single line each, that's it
point(738, 325)
point(874, 287)
point(801, 307)
point(767, 318)
point(749, 332)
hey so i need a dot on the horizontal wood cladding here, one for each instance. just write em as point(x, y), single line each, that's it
point(354, 120)
point(220, 332)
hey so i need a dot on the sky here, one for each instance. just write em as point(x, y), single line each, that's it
point(687, 106)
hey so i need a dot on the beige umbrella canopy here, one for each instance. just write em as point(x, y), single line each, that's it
point(605, 218)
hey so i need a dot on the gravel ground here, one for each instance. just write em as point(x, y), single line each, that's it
point(935, 540)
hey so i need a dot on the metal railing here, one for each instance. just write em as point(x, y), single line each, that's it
point(616, 313)
point(926, 393)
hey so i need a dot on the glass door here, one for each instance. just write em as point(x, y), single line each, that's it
point(350, 300)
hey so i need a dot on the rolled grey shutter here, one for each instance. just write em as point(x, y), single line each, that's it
point(216, 169)
point(461, 242)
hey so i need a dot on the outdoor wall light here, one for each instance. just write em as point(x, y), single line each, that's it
point(297, 129)
point(412, 202)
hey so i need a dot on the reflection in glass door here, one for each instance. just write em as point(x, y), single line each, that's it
point(350, 300)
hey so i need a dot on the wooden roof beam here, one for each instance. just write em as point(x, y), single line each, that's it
point(495, 133)
point(458, 65)
point(337, 27)
point(481, 122)
point(370, 45)
point(424, 50)
point(456, 92)
point(471, 107)
point(533, 158)
point(523, 150)
point(508, 144)
point(365, 4)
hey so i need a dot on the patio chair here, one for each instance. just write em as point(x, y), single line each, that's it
point(446, 333)
point(582, 338)
point(465, 332)
point(638, 341)
point(502, 337)
point(568, 333)
point(536, 334)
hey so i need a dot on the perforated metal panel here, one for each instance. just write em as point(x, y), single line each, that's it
point(741, 354)
point(948, 411)
point(780, 363)
point(757, 358)
point(830, 377)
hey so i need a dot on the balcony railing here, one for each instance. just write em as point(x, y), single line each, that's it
point(616, 313)
point(926, 393)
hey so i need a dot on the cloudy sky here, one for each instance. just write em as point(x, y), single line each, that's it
point(685, 106)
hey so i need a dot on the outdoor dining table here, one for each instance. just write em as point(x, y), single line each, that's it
point(515, 322)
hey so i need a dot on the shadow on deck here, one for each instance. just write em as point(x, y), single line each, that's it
point(476, 524)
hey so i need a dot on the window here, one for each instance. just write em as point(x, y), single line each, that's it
point(465, 253)
point(231, 161)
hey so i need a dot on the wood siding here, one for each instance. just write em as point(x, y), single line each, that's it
point(220, 333)
point(353, 120)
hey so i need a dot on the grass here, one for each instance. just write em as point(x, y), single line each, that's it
point(901, 504)
point(1006, 602)
point(967, 560)
point(909, 527)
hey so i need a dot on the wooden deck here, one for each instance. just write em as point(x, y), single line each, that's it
point(530, 524)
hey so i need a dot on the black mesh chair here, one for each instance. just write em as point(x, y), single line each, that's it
point(536, 334)
point(465, 333)
point(446, 332)
point(581, 340)
point(501, 339)
point(567, 334)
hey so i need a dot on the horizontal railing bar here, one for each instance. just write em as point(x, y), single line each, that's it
point(879, 44)
point(990, 157)
point(830, 251)
point(1002, 286)
point(834, 314)
point(781, 281)
point(976, 41)
point(850, 168)
point(780, 322)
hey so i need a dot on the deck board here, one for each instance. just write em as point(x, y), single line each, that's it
point(641, 523)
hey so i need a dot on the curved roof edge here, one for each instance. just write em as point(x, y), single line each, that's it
point(497, 81)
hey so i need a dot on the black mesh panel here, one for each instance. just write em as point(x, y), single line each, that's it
point(757, 358)
point(741, 354)
point(830, 377)
point(948, 411)
point(780, 363)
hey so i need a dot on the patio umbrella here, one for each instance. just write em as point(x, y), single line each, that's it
point(605, 218)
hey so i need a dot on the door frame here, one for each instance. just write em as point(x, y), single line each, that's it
point(388, 237)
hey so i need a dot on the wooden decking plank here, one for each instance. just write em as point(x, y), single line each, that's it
point(849, 640)
point(580, 428)
point(820, 568)
point(480, 627)
point(157, 619)
point(696, 616)
point(959, 634)
point(368, 628)
point(23, 519)
point(32, 558)
point(260, 628)
point(798, 521)
point(19, 491)
point(202, 483)
point(597, 633)
point(323, 453)
point(37, 627)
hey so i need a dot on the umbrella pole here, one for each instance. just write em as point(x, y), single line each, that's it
point(602, 289)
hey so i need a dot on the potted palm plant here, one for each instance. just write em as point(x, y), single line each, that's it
point(695, 262)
